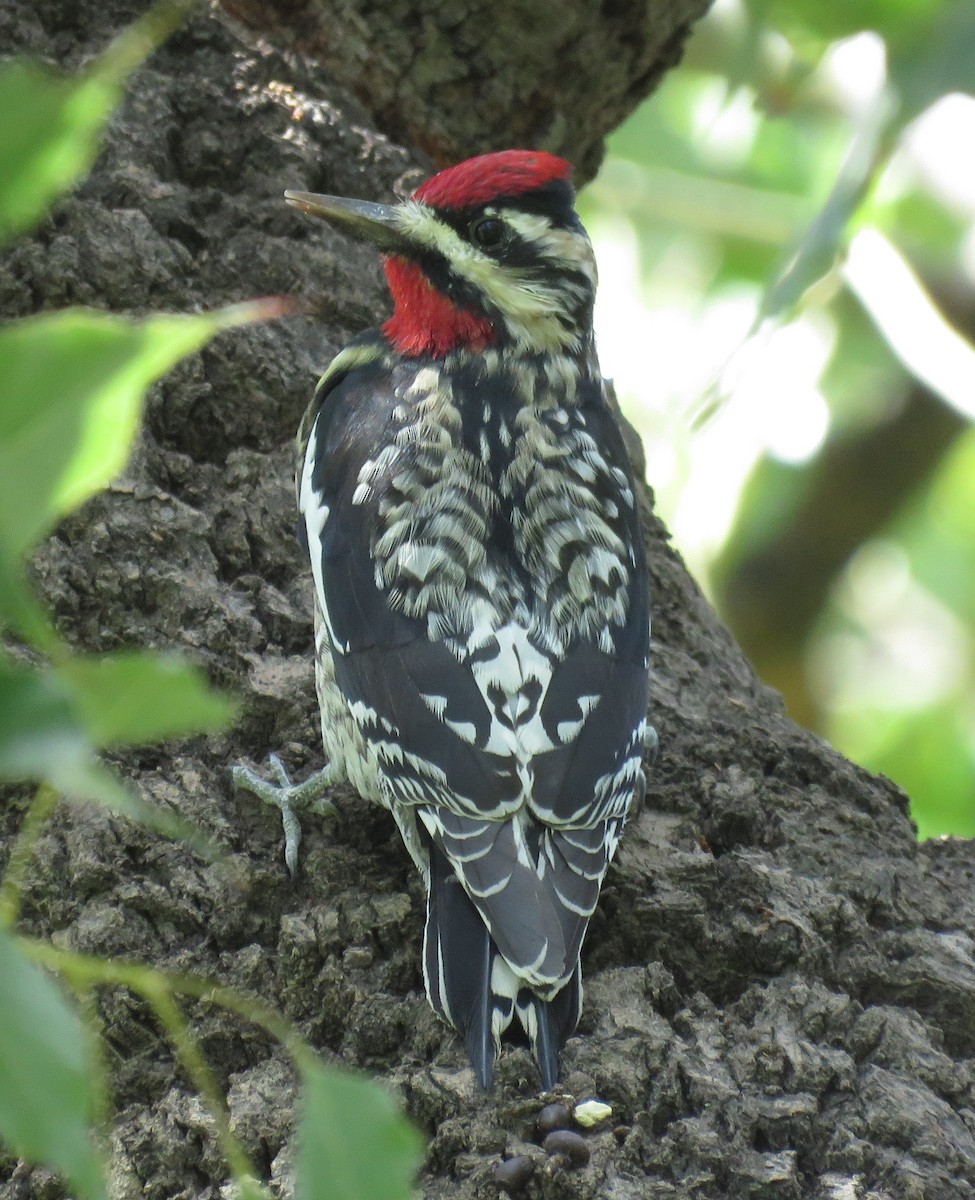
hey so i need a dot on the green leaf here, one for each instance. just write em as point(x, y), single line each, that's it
point(927, 751)
point(896, 20)
point(71, 390)
point(43, 734)
point(821, 244)
point(137, 697)
point(20, 610)
point(48, 137)
point(929, 42)
point(39, 733)
point(246, 1188)
point(45, 1097)
point(52, 123)
point(353, 1142)
point(87, 779)
point(939, 60)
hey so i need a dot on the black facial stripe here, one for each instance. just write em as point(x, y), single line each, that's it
point(436, 267)
point(578, 281)
point(526, 254)
point(520, 253)
point(554, 201)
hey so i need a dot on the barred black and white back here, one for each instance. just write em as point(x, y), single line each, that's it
point(482, 645)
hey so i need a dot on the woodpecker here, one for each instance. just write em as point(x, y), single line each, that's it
point(481, 608)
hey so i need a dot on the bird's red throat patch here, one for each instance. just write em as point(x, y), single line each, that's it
point(426, 321)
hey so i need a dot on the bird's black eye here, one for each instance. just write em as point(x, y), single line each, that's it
point(489, 233)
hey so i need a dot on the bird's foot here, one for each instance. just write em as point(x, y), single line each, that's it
point(290, 798)
point(651, 744)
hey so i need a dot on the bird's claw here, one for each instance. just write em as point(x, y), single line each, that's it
point(290, 798)
point(278, 767)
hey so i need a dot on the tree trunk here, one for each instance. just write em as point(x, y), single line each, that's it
point(781, 988)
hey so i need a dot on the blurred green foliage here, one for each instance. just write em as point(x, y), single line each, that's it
point(71, 392)
point(796, 346)
point(45, 1087)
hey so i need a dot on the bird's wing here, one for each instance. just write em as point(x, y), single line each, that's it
point(443, 719)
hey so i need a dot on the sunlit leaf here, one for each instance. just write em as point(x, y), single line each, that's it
point(48, 137)
point(248, 1189)
point(46, 1099)
point(52, 123)
point(353, 1142)
point(927, 230)
point(927, 751)
point(71, 391)
point(139, 697)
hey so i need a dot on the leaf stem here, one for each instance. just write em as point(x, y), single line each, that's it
point(88, 968)
point(156, 990)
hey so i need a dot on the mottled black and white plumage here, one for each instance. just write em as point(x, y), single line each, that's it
point(482, 618)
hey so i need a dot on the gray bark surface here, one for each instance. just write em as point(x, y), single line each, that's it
point(454, 78)
point(780, 982)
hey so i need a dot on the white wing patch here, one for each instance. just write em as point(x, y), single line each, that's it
point(315, 513)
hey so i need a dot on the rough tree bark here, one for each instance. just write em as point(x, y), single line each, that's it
point(781, 987)
point(455, 78)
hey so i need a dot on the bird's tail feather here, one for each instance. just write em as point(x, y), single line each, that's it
point(458, 955)
point(472, 987)
point(549, 1023)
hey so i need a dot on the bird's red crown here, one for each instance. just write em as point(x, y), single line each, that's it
point(489, 176)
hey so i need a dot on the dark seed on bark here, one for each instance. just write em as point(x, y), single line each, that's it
point(553, 1116)
point(513, 1173)
point(569, 1143)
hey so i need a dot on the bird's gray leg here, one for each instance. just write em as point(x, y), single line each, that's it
point(290, 798)
point(651, 743)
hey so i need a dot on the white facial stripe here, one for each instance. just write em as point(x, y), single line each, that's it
point(562, 245)
point(567, 246)
point(533, 227)
point(421, 225)
point(527, 305)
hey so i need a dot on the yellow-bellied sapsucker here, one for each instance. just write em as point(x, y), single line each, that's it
point(481, 609)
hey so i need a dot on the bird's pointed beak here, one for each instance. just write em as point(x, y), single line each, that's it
point(366, 222)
